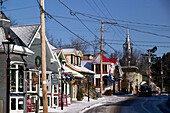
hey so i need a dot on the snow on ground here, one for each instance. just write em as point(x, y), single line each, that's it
point(82, 106)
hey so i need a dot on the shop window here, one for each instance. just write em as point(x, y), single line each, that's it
point(21, 104)
point(20, 79)
point(13, 103)
point(55, 101)
point(13, 81)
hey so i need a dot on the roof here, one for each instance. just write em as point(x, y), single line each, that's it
point(113, 60)
point(86, 63)
point(97, 59)
point(3, 16)
point(74, 73)
point(80, 69)
point(70, 50)
point(25, 32)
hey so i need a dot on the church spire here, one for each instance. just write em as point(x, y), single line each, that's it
point(127, 37)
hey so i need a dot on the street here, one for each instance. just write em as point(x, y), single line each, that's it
point(154, 104)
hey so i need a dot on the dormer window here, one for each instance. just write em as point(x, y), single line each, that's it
point(72, 59)
point(78, 60)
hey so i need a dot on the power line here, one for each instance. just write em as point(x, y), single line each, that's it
point(51, 17)
point(20, 8)
point(142, 41)
point(142, 45)
point(74, 14)
point(147, 24)
point(144, 31)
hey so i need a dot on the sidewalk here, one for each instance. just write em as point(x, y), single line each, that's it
point(81, 106)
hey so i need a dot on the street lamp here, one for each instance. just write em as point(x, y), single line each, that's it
point(8, 45)
point(62, 72)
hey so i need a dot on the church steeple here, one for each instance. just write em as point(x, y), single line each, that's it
point(127, 48)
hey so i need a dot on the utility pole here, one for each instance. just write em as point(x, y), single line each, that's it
point(162, 74)
point(101, 61)
point(101, 56)
point(149, 71)
point(43, 56)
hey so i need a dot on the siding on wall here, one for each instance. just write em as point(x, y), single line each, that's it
point(3, 80)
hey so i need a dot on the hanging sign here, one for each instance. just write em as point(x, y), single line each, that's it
point(54, 81)
point(35, 79)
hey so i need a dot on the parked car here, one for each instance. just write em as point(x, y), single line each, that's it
point(155, 93)
point(145, 91)
point(164, 93)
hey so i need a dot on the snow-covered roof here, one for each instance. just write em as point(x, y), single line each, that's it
point(70, 50)
point(22, 50)
point(25, 32)
point(74, 73)
point(81, 69)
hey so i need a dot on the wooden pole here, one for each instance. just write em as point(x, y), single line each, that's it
point(43, 56)
point(101, 61)
point(149, 68)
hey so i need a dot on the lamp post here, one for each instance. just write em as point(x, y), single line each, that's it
point(8, 45)
point(62, 72)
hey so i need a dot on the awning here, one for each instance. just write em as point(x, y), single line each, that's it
point(109, 78)
point(22, 50)
point(74, 73)
point(80, 69)
point(143, 82)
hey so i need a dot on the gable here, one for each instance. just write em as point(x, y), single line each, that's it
point(25, 32)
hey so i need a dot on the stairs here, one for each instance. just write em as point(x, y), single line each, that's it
point(92, 93)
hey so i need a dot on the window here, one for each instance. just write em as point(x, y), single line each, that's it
point(41, 101)
point(21, 104)
point(97, 68)
point(72, 59)
point(20, 79)
point(48, 99)
point(55, 101)
point(13, 81)
point(78, 60)
point(28, 81)
point(97, 82)
point(55, 88)
point(13, 103)
point(33, 85)
point(105, 68)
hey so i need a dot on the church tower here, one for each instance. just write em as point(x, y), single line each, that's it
point(127, 50)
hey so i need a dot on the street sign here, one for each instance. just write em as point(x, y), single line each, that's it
point(54, 81)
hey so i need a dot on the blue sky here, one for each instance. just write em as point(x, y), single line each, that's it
point(155, 12)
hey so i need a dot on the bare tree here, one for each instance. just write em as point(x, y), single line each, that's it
point(116, 54)
point(79, 45)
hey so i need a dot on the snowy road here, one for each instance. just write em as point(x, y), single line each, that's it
point(134, 105)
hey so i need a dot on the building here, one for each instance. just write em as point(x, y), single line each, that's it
point(111, 73)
